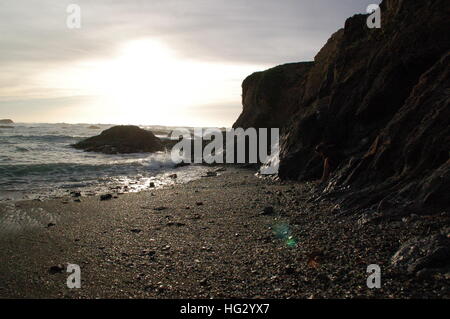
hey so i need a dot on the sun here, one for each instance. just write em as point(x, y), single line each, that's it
point(143, 77)
point(145, 81)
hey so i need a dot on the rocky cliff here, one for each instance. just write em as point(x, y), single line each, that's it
point(379, 96)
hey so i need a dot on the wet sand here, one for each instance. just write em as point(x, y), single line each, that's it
point(211, 238)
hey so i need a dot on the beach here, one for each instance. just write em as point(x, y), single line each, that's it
point(228, 236)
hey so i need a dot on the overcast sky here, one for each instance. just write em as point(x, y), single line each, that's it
point(179, 62)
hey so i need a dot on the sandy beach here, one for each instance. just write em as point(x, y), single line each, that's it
point(232, 235)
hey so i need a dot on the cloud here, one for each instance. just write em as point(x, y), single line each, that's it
point(255, 31)
point(248, 32)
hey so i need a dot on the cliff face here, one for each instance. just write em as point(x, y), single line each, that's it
point(276, 93)
point(380, 96)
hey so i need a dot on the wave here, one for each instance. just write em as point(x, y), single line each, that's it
point(53, 170)
point(44, 138)
point(22, 149)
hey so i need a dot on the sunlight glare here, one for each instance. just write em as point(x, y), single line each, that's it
point(148, 83)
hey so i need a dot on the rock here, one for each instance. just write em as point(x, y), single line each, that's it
point(161, 208)
point(173, 176)
point(149, 253)
point(210, 174)
point(93, 127)
point(50, 225)
point(152, 185)
point(106, 197)
point(199, 203)
point(268, 211)
point(289, 269)
point(426, 273)
point(375, 97)
point(423, 252)
point(6, 126)
point(75, 194)
point(6, 121)
point(136, 230)
point(122, 140)
point(177, 224)
point(269, 97)
point(57, 269)
point(182, 164)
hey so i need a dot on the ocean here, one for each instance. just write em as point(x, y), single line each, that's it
point(37, 162)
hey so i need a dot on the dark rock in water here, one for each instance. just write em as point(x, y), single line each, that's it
point(5, 126)
point(122, 140)
point(423, 253)
point(6, 121)
point(50, 225)
point(152, 185)
point(173, 176)
point(106, 197)
point(75, 194)
point(377, 98)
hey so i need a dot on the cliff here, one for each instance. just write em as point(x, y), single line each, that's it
point(379, 96)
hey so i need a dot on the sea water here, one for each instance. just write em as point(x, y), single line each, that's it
point(36, 161)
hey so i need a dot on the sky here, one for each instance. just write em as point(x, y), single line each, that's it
point(151, 62)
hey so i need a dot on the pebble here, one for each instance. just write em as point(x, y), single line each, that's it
point(268, 211)
point(57, 269)
point(106, 197)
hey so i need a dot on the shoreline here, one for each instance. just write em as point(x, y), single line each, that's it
point(214, 237)
point(115, 185)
